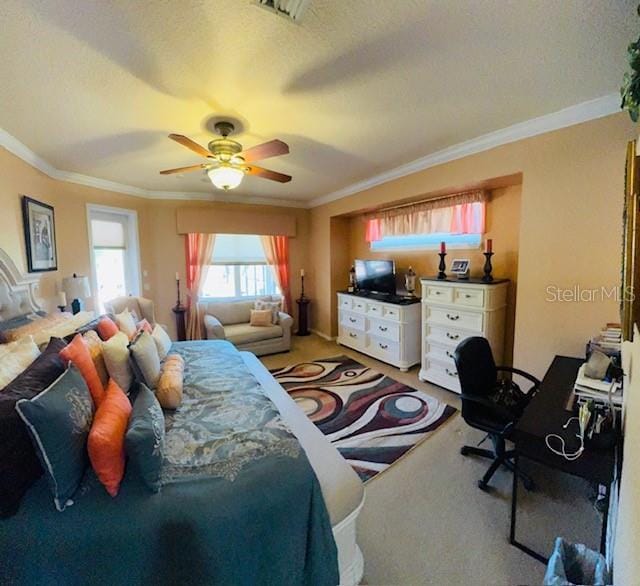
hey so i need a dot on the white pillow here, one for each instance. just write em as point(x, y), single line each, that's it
point(162, 340)
point(116, 358)
point(126, 323)
point(15, 361)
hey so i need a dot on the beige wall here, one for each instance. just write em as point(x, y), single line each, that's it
point(570, 229)
point(161, 248)
point(503, 226)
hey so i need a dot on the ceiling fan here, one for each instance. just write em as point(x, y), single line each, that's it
point(228, 163)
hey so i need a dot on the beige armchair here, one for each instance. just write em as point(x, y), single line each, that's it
point(142, 307)
point(230, 321)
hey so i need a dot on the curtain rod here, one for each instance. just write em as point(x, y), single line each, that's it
point(428, 200)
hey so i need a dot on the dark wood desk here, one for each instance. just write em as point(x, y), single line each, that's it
point(545, 414)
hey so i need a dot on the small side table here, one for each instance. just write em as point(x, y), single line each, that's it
point(181, 329)
point(303, 316)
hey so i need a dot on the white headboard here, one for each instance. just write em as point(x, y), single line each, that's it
point(18, 293)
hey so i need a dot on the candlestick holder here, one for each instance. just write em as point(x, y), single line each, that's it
point(487, 278)
point(302, 287)
point(442, 275)
point(178, 303)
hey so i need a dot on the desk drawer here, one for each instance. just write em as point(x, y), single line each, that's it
point(384, 329)
point(352, 320)
point(466, 320)
point(469, 296)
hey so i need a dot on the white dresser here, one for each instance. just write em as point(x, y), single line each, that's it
point(387, 331)
point(452, 311)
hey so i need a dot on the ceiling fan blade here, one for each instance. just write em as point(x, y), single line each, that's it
point(268, 174)
point(187, 142)
point(273, 148)
point(183, 169)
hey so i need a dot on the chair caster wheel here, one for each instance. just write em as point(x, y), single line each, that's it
point(483, 486)
point(464, 451)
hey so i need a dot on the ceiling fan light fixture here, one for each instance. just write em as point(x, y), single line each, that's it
point(225, 177)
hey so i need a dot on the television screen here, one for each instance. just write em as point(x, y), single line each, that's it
point(378, 276)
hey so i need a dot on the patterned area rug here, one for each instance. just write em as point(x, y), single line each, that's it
point(370, 418)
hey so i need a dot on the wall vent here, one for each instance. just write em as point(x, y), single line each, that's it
point(293, 9)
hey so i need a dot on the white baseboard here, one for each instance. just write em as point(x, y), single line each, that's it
point(323, 335)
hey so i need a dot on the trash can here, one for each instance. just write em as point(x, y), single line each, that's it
point(574, 564)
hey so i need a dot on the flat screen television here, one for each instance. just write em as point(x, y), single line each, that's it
point(377, 276)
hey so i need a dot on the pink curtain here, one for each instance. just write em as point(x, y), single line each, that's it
point(198, 250)
point(468, 218)
point(373, 230)
point(276, 249)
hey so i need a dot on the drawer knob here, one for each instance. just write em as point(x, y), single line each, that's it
point(383, 328)
point(451, 372)
point(453, 336)
point(353, 320)
point(449, 354)
point(352, 335)
point(437, 292)
point(453, 317)
point(392, 313)
point(467, 295)
point(383, 346)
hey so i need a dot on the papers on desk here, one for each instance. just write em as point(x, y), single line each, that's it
point(599, 391)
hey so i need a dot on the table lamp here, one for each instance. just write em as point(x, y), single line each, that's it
point(76, 288)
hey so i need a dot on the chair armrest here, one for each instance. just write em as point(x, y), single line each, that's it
point(532, 379)
point(213, 327)
point(497, 409)
point(285, 320)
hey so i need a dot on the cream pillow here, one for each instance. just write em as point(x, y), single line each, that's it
point(162, 340)
point(116, 358)
point(126, 323)
point(145, 353)
point(261, 317)
point(17, 359)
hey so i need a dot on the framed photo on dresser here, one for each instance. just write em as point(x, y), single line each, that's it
point(40, 235)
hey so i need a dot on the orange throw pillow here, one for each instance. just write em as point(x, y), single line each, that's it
point(77, 351)
point(106, 438)
point(107, 328)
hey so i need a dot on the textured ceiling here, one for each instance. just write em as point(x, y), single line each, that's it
point(357, 88)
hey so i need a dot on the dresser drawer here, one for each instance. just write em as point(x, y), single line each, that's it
point(352, 337)
point(384, 329)
point(359, 305)
point(469, 296)
point(391, 313)
point(444, 335)
point(442, 374)
point(385, 349)
point(439, 294)
point(345, 302)
point(467, 320)
point(352, 320)
point(374, 309)
point(441, 353)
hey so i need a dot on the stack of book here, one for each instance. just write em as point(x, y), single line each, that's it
point(601, 392)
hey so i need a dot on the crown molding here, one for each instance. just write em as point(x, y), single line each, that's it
point(19, 149)
point(583, 112)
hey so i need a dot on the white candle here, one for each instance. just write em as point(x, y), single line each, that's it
point(62, 299)
point(302, 272)
point(177, 277)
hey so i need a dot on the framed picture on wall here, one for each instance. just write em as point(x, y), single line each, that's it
point(40, 235)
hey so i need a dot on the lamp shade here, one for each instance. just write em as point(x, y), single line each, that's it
point(76, 287)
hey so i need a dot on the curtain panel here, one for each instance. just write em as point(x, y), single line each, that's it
point(276, 250)
point(198, 250)
point(463, 213)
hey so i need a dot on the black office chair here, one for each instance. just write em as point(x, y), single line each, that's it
point(491, 404)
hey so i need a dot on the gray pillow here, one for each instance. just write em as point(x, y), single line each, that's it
point(145, 353)
point(144, 441)
point(58, 421)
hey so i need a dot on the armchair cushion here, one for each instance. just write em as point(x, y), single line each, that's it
point(245, 334)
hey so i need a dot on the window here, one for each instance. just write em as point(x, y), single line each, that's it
point(238, 269)
point(114, 260)
point(426, 241)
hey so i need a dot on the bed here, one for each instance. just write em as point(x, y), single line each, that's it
point(266, 519)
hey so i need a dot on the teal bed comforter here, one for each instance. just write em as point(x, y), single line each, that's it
point(240, 503)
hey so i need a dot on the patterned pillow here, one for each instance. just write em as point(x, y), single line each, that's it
point(274, 306)
point(144, 441)
point(58, 420)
